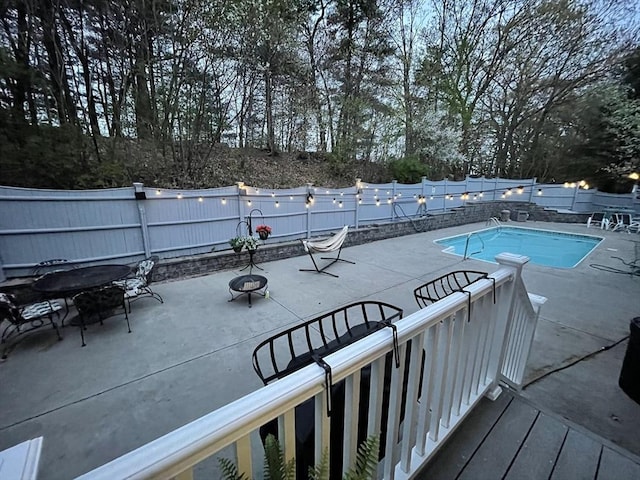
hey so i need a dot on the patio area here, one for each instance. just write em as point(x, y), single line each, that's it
point(192, 354)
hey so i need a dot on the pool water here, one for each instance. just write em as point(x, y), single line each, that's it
point(543, 247)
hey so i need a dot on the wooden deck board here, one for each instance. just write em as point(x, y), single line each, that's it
point(577, 446)
point(493, 458)
point(539, 453)
point(510, 439)
point(614, 466)
point(464, 441)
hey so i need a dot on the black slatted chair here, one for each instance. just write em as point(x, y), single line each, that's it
point(306, 343)
point(445, 285)
point(25, 318)
point(100, 302)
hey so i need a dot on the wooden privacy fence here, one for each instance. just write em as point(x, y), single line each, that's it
point(127, 224)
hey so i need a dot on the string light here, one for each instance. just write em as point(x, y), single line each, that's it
point(290, 197)
point(224, 201)
point(179, 196)
point(377, 203)
point(340, 203)
point(539, 191)
point(520, 190)
point(158, 192)
point(509, 192)
point(277, 203)
point(334, 199)
point(389, 201)
point(273, 194)
point(200, 199)
point(249, 202)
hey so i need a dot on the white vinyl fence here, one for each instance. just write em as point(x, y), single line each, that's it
point(127, 224)
point(470, 341)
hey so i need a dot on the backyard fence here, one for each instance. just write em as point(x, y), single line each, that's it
point(127, 224)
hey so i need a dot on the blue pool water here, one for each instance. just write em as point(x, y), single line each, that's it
point(544, 247)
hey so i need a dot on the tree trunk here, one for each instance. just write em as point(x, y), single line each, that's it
point(271, 142)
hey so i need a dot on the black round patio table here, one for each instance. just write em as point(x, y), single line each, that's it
point(68, 282)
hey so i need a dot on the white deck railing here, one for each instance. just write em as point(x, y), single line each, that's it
point(466, 354)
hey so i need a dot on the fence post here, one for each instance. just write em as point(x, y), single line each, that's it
point(533, 187)
point(575, 196)
point(140, 196)
point(308, 204)
point(2, 275)
point(446, 194)
point(504, 312)
point(393, 199)
point(357, 199)
point(240, 191)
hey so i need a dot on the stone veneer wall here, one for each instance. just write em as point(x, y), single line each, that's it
point(194, 265)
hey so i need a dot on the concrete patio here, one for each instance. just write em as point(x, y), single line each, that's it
point(192, 354)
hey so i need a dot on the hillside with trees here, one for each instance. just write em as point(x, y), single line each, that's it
point(203, 93)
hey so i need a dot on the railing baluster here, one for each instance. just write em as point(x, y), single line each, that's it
point(428, 387)
point(287, 434)
point(351, 416)
point(441, 378)
point(410, 413)
point(376, 392)
point(474, 332)
point(186, 475)
point(488, 312)
point(393, 419)
point(243, 456)
point(460, 360)
point(322, 429)
point(451, 359)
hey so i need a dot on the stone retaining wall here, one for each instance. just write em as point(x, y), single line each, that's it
point(194, 265)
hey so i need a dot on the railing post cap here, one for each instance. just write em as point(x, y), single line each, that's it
point(511, 259)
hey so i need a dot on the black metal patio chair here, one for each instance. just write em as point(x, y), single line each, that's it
point(139, 284)
point(100, 302)
point(25, 318)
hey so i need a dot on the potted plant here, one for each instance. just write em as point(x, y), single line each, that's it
point(250, 243)
point(263, 231)
point(237, 243)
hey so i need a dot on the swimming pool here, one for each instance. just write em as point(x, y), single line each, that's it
point(544, 247)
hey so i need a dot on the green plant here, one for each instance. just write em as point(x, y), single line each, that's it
point(408, 170)
point(276, 468)
point(250, 243)
point(237, 243)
